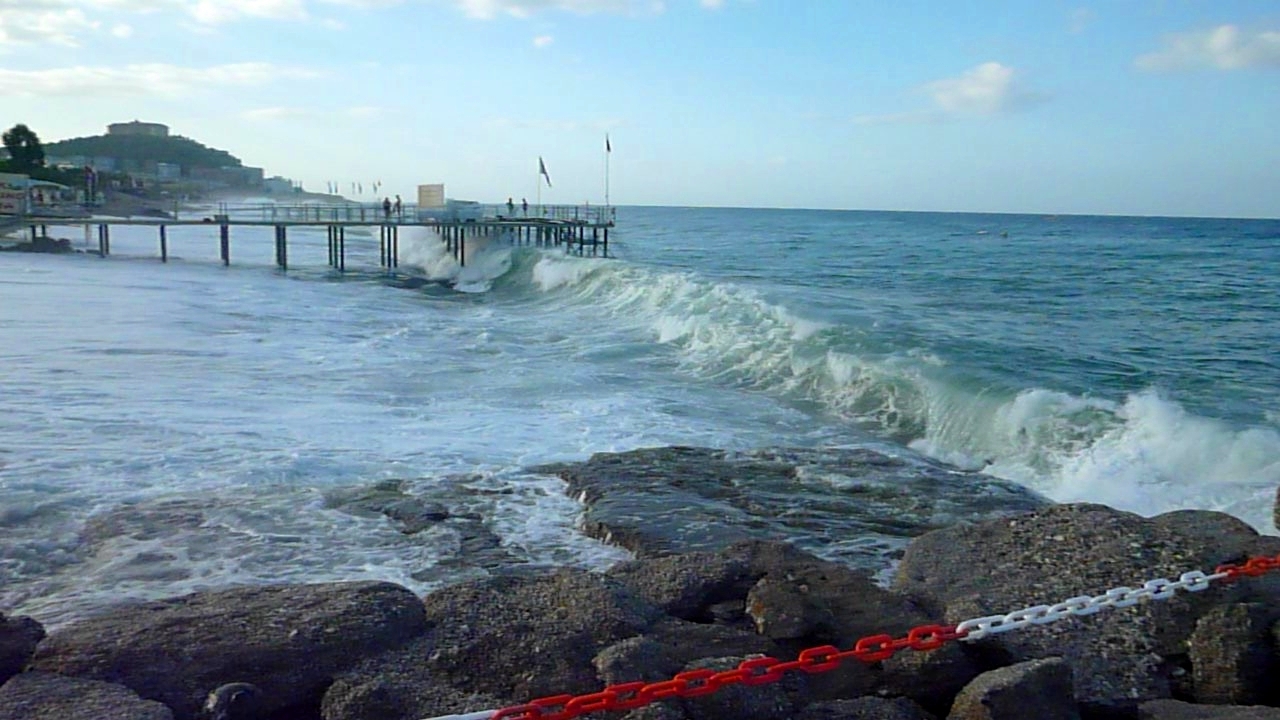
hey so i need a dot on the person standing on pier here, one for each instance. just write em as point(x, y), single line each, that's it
point(511, 208)
point(386, 207)
point(524, 206)
point(399, 208)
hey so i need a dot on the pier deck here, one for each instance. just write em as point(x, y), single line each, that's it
point(584, 228)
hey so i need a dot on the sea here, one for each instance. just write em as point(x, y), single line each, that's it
point(171, 427)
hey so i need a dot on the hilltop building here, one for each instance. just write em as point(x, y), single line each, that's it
point(138, 128)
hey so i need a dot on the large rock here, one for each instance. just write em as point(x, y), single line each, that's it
point(659, 501)
point(772, 701)
point(1232, 660)
point(1176, 710)
point(511, 638)
point(49, 696)
point(1033, 690)
point(288, 640)
point(18, 639)
point(865, 708)
point(1118, 656)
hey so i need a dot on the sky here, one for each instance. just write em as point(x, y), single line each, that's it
point(1141, 107)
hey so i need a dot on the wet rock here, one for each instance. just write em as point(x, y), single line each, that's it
point(1232, 659)
point(41, 244)
point(1118, 656)
point(660, 501)
point(1176, 710)
point(289, 640)
point(1033, 690)
point(49, 696)
point(388, 498)
point(18, 639)
point(865, 708)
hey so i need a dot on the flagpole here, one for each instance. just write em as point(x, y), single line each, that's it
point(538, 179)
point(607, 152)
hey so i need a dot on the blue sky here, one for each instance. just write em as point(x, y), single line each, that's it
point(1151, 107)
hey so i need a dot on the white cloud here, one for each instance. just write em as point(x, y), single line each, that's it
point(269, 114)
point(986, 89)
point(273, 114)
point(713, 4)
point(1081, 18)
point(149, 79)
point(543, 41)
point(489, 9)
point(215, 12)
point(1225, 47)
point(122, 31)
point(28, 24)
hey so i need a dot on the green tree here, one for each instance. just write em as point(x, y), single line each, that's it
point(25, 152)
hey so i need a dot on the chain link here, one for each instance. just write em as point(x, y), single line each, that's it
point(874, 648)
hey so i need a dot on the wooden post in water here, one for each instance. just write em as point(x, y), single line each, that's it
point(164, 246)
point(224, 242)
point(342, 249)
point(395, 247)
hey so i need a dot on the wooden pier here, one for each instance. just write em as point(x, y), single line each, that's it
point(580, 229)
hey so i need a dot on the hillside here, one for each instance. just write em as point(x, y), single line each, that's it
point(145, 149)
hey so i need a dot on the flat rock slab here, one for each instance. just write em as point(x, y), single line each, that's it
point(49, 696)
point(658, 501)
point(289, 640)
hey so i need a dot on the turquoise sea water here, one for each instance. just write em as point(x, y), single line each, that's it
point(166, 427)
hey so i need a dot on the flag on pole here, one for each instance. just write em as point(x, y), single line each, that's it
point(607, 147)
point(542, 169)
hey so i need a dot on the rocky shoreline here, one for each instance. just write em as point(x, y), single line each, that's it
point(376, 651)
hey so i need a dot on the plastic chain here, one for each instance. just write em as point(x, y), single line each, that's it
point(762, 670)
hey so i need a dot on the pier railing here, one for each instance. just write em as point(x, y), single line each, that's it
point(598, 215)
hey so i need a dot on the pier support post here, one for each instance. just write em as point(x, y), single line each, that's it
point(395, 247)
point(342, 249)
point(164, 246)
point(606, 242)
point(329, 237)
point(224, 242)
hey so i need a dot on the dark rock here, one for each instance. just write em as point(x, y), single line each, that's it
point(288, 640)
point(388, 498)
point(932, 678)
point(234, 701)
point(660, 501)
point(688, 584)
point(1117, 655)
point(398, 693)
point(865, 708)
point(1034, 690)
point(18, 639)
point(670, 645)
point(636, 659)
point(772, 701)
point(1232, 660)
point(42, 244)
point(516, 637)
point(48, 696)
point(1176, 710)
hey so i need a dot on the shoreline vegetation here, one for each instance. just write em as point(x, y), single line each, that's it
point(376, 651)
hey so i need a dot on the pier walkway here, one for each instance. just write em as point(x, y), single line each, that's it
point(583, 229)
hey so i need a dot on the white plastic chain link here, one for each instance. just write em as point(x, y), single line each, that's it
point(1158, 589)
point(978, 628)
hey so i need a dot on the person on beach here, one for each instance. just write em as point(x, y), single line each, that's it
point(386, 207)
